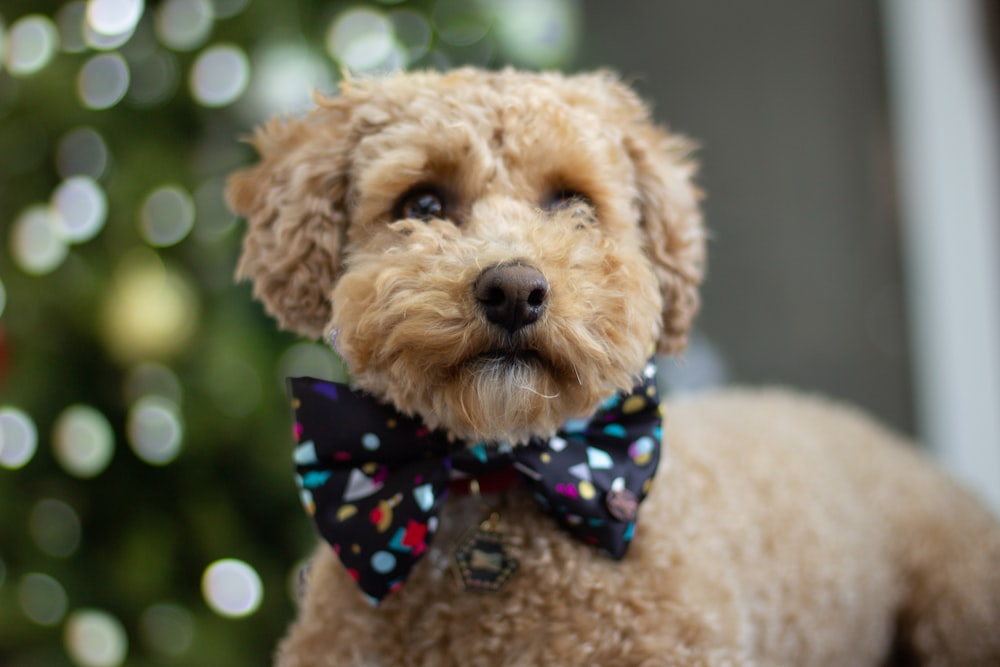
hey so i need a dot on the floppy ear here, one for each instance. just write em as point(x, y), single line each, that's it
point(671, 222)
point(293, 201)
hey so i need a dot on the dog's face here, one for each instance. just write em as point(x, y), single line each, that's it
point(495, 252)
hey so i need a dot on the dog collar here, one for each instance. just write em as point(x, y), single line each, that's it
point(374, 480)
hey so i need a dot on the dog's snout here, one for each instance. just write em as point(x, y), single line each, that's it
point(512, 296)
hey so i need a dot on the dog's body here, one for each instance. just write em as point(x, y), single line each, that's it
point(497, 253)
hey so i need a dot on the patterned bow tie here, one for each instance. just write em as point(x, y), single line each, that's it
point(374, 480)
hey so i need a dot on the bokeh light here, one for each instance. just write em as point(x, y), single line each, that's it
point(413, 33)
point(167, 628)
point(462, 22)
point(31, 43)
point(81, 209)
point(155, 430)
point(184, 25)
point(538, 33)
point(167, 215)
point(95, 638)
point(103, 81)
point(232, 588)
point(83, 441)
point(362, 40)
point(227, 8)
point(285, 76)
point(36, 244)
point(82, 152)
point(71, 19)
point(150, 311)
point(213, 218)
point(3, 298)
point(42, 598)
point(18, 438)
point(55, 527)
point(114, 17)
point(234, 385)
point(311, 359)
point(155, 77)
point(152, 379)
point(220, 75)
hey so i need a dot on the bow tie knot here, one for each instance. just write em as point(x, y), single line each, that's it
point(374, 480)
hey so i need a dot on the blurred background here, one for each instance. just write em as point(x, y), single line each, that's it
point(148, 514)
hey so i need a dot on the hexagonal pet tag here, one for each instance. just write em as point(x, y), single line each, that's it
point(483, 562)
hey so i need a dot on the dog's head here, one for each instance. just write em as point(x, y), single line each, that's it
point(497, 252)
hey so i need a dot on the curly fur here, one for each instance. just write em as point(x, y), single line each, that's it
point(781, 530)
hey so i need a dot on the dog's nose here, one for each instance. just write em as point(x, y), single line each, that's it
point(512, 295)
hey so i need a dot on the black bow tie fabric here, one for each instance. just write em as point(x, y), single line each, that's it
point(374, 480)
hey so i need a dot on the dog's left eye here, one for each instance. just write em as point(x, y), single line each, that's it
point(561, 199)
point(421, 204)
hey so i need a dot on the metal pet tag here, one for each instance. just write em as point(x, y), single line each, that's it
point(482, 560)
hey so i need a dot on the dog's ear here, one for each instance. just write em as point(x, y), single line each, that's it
point(293, 201)
point(670, 212)
point(671, 222)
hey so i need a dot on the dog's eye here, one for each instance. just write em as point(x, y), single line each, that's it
point(421, 204)
point(565, 198)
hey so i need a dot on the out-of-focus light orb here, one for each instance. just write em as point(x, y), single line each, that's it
point(214, 219)
point(461, 22)
point(82, 152)
point(31, 43)
point(101, 42)
point(166, 217)
point(36, 244)
point(167, 628)
point(83, 441)
point(311, 359)
point(42, 598)
point(3, 298)
point(103, 81)
point(150, 378)
point(154, 79)
point(538, 33)
point(18, 438)
point(95, 638)
point(235, 386)
point(114, 17)
point(183, 25)
point(226, 8)
point(361, 39)
point(155, 430)
point(285, 77)
point(55, 527)
point(81, 208)
point(150, 312)
point(220, 75)
point(413, 33)
point(232, 588)
point(71, 19)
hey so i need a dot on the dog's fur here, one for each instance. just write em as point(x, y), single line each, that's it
point(781, 529)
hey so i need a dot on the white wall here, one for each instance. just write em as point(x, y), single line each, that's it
point(947, 129)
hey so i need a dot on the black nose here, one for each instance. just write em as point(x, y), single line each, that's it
point(511, 295)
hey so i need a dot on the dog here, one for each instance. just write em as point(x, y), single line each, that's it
point(494, 255)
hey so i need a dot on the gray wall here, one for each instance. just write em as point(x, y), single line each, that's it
point(787, 100)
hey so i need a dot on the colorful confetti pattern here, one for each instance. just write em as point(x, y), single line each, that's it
point(374, 480)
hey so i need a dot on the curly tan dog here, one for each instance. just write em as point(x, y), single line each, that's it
point(497, 253)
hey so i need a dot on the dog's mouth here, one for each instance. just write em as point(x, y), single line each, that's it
point(508, 357)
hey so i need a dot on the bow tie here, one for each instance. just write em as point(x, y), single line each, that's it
point(374, 480)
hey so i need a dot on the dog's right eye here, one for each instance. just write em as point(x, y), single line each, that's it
point(420, 204)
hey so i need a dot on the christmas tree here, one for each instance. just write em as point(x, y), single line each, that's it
point(148, 514)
